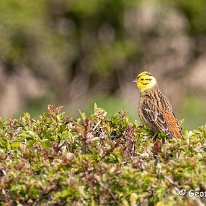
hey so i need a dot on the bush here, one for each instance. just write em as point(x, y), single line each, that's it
point(96, 160)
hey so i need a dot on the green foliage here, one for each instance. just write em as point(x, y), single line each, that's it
point(96, 160)
point(195, 12)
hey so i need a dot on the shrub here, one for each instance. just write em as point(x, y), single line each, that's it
point(96, 160)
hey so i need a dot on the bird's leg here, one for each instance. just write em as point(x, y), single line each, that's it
point(154, 136)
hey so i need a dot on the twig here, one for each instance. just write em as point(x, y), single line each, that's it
point(174, 184)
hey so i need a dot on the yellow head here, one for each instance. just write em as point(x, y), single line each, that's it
point(145, 81)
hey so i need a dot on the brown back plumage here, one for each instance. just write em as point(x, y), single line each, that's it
point(156, 111)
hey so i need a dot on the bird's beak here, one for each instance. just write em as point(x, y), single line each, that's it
point(135, 81)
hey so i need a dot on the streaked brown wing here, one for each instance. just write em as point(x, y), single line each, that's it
point(155, 119)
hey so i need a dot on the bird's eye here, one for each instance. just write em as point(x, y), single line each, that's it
point(142, 79)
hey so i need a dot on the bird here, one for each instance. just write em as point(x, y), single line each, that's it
point(154, 108)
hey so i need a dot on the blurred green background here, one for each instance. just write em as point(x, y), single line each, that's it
point(77, 52)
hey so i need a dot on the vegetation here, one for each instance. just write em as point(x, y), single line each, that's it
point(80, 50)
point(96, 160)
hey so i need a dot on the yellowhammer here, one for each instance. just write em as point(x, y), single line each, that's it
point(154, 108)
